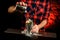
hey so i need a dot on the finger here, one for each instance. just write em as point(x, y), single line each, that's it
point(33, 30)
point(21, 3)
point(17, 3)
point(33, 27)
point(24, 4)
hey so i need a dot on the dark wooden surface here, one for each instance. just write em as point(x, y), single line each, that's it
point(15, 34)
point(12, 36)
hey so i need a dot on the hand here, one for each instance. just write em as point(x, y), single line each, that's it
point(21, 7)
point(35, 29)
point(21, 3)
point(12, 8)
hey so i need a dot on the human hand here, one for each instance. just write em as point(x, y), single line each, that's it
point(21, 7)
point(21, 3)
point(35, 29)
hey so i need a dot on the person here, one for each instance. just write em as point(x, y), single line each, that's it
point(38, 11)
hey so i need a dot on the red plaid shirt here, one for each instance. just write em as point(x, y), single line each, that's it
point(37, 10)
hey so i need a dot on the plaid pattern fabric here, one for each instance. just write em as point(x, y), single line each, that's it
point(37, 10)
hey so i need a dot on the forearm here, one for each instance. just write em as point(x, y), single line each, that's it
point(42, 24)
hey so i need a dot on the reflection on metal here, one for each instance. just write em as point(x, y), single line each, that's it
point(29, 25)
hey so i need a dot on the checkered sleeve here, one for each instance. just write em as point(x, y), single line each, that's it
point(47, 10)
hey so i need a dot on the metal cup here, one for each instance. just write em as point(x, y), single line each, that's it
point(29, 24)
point(21, 8)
